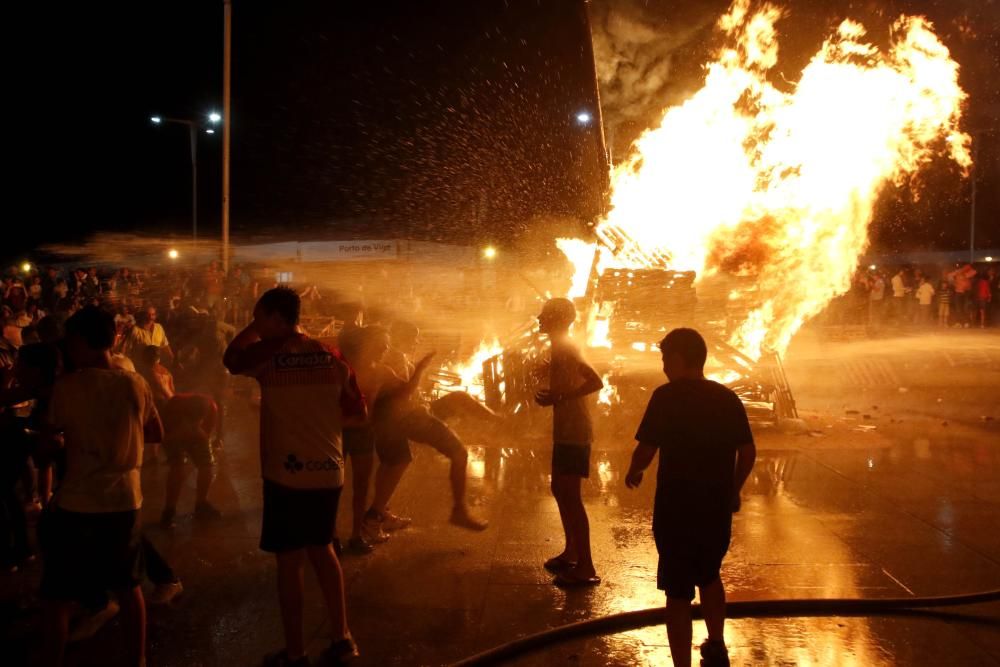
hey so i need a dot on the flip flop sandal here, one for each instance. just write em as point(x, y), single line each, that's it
point(555, 565)
point(566, 580)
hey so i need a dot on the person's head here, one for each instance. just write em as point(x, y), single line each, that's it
point(51, 271)
point(90, 333)
point(363, 346)
point(150, 312)
point(36, 280)
point(405, 336)
point(684, 353)
point(557, 316)
point(12, 330)
point(48, 329)
point(276, 314)
point(92, 272)
point(149, 356)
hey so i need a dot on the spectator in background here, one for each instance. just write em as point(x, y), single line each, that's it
point(876, 301)
point(961, 279)
point(925, 297)
point(983, 291)
point(900, 290)
point(944, 303)
point(147, 331)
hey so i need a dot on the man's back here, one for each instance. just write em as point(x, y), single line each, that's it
point(303, 402)
point(697, 425)
point(101, 413)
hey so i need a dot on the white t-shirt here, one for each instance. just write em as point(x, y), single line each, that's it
point(925, 294)
point(571, 423)
point(137, 338)
point(306, 390)
point(101, 413)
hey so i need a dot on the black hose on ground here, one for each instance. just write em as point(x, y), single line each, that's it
point(633, 620)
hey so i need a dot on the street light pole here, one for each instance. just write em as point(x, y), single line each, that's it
point(226, 111)
point(194, 182)
point(972, 213)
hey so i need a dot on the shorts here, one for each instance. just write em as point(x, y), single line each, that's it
point(86, 554)
point(297, 518)
point(359, 441)
point(691, 557)
point(392, 442)
point(570, 459)
point(196, 449)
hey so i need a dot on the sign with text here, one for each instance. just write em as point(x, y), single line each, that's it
point(335, 251)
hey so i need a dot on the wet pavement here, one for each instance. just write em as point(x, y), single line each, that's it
point(873, 497)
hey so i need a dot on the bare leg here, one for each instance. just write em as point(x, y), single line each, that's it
point(457, 476)
point(331, 581)
point(206, 475)
point(569, 553)
point(56, 615)
point(679, 631)
point(45, 483)
point(713, 609)
point(175, 480)
point(387, 478)
point(134, 624)
point(361, 470)
point(578, 524)
point(290, 597)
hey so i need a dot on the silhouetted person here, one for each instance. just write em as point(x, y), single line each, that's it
point(701, 431)
point(307, 396)
point(571, 380)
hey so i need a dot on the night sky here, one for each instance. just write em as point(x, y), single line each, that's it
point(452, 121)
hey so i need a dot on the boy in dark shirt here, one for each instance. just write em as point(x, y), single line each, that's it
point(701, 431)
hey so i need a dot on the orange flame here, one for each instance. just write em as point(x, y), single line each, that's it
point(470, 371)
point(750, 179)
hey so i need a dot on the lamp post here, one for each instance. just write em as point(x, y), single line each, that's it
point(193, 127)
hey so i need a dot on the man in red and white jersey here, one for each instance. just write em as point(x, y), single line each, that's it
point(307, 394)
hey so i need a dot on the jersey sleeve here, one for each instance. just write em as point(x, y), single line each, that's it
point(654, 427)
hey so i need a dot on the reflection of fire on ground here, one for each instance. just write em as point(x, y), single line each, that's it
point(746, 211)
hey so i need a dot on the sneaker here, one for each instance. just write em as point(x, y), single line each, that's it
point(164, 593)
point(281, 659)
point(461, 517)
point(167, 518)
point(371, 530)
point(206, 510)
point(358, 545)
point(714, 653)
point(341, 651)
point(90, 625)
point(391, 522)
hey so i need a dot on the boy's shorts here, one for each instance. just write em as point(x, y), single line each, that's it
point(393, 437)
point(569, 459)
point(297, 518)
point(359, 441)
point(690, 558)
point(195, 448)
point(86, 553)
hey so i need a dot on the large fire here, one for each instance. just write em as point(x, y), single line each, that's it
point(751, 179)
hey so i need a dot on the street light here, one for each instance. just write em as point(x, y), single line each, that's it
point(583, 118)
point(489, 252)
point(193, 127)
point(26, 267)
point(173, 254)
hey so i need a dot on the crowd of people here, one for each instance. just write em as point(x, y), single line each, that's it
point(94, 383)
point(908, 297)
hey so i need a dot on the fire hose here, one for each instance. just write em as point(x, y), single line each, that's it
point(633, 620)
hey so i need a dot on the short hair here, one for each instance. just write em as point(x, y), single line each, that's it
point(688, 345)
point(283, 301)
point(95, 326)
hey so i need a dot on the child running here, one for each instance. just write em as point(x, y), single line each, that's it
point(571, 379)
